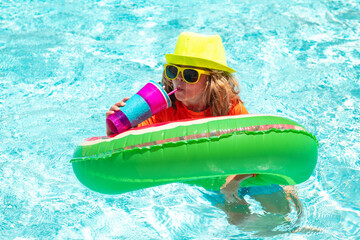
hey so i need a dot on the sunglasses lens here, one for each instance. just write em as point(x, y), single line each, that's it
point(171, 72)
point(191, 75)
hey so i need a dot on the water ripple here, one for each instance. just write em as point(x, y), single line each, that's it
point(63, 65)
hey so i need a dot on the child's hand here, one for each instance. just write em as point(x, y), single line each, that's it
point(231, 187)
point(113, 109)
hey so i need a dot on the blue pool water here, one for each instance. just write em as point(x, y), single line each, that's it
point(64, 63)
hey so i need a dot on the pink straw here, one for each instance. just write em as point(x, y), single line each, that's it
point(173, 91)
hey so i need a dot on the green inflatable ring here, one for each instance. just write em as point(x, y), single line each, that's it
point(201, 152)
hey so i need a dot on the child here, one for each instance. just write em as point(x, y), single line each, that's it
point(205, 84)
point(205, 87)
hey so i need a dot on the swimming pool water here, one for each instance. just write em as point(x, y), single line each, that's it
point(64, 63)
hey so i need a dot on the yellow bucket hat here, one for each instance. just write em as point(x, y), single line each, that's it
point(198, 50)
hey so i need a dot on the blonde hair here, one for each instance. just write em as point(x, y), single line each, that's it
point(220, 91)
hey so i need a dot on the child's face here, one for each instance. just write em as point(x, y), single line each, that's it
point(190, 94)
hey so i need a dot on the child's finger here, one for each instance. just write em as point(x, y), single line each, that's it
point(230, 198)
point(108, 113)
point(120, 104)
point(114, 108)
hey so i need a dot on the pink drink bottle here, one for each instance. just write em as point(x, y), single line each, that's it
point(150, 100)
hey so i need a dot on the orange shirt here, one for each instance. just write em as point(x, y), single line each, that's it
point(182, 113)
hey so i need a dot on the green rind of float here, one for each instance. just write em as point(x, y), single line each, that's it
point(178, 131)
point(133, 169)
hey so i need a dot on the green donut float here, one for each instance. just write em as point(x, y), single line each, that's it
point(201, 152)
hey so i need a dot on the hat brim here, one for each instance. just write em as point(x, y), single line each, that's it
point(196, 62)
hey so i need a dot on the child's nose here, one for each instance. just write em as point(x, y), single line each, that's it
point(180, 76)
